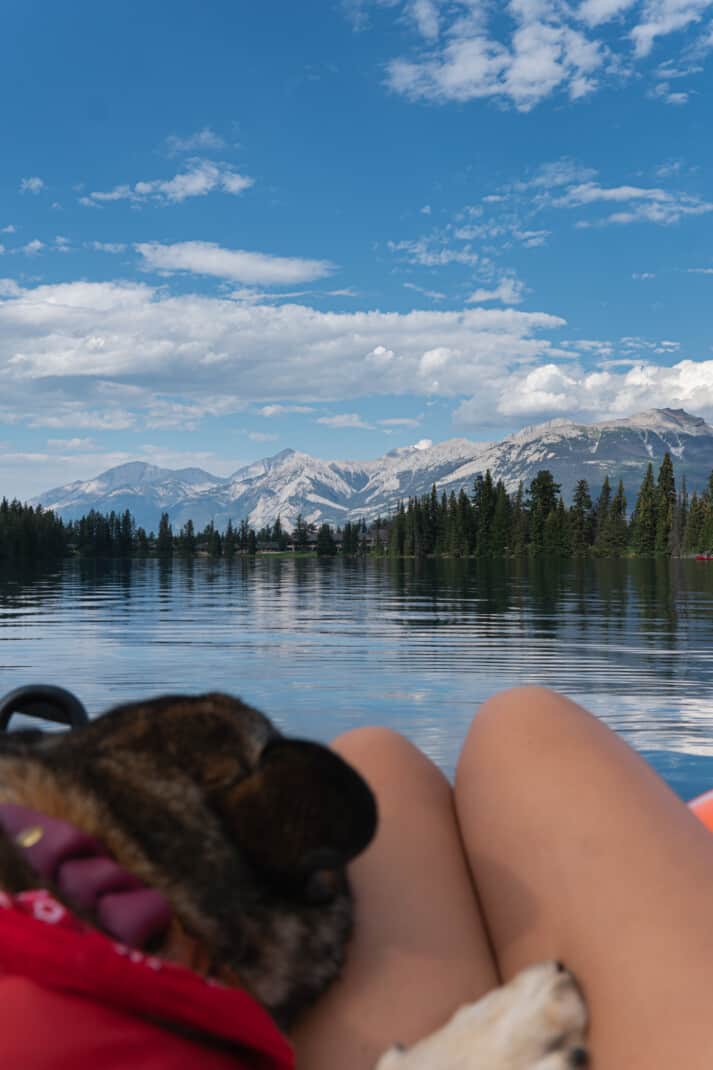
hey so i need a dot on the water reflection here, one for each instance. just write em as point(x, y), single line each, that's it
point(327, 645)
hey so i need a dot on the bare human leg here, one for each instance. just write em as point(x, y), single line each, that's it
point(419, 949)
point(581, 853)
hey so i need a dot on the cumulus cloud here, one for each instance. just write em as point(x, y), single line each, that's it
point(200, 178)
point(78, 358)
point(509, 291)
point(525, 51)
point(32, 185)
point(662, 17)
point(207, 258)
point(87, 356)
point(551, 390)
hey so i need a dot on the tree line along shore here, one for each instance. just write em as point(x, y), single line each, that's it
point(487, 523)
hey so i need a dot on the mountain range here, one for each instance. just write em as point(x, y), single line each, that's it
point(291, 482)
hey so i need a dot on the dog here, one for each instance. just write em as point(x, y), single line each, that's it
point(244, 836)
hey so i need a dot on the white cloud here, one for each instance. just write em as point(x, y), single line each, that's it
point(284, 410)
point(509, 291)
point(591, 192)
point(261, 436)
point(201, 177)
point(345, 420)
point(71, 443)
point(433, 295)
point(423, 444)
point(524, 51)
point(543, 54)
point(430, 252)
point(550, 390)
point(650, 205)
point(207, 258)
point(595, 12)
point(9, 288)
point(644, 275)
point(701, 271)
point(87, 357)
point(33, 247)
point(203, 140)
point(425, 15)
point(107, 246)
point(31, 185)
point(663, 91)
point(400, 421)
point(9, 229)
point(83, 356)
point(662, 17)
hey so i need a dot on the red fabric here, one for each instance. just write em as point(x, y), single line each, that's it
point(71, 998)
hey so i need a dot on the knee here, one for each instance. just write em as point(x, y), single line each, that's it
point(393, 766)
point(521, 723)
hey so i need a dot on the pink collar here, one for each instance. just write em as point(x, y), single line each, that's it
point(82, 870)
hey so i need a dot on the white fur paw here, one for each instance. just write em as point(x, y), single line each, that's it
point(536, 1022)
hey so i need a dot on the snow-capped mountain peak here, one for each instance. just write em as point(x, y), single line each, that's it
point(291, 482)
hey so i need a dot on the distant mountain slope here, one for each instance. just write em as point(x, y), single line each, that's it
point(335, 491)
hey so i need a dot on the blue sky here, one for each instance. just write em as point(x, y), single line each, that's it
point(344, 227)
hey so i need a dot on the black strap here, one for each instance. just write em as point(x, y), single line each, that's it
point(46, 702)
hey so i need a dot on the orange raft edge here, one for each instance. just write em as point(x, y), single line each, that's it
point(702, 807)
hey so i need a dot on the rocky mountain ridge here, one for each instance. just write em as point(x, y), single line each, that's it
point(291, 482)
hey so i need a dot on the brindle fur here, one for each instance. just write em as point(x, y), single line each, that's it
point(246, 833)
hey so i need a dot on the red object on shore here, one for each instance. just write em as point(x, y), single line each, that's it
point(704, 557)
point(73, 999)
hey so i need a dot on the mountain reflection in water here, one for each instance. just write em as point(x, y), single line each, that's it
point(323, 646)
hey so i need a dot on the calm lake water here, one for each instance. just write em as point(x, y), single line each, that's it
point(322, 646)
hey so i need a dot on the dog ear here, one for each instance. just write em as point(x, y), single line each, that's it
point(303, 810)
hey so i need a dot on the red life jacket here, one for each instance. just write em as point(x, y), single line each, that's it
point(72, 999)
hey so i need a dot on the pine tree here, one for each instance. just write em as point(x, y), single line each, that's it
point(602, 532)
point(127, 534)
point(326, 545)
point(164, 540)
point(520, 523)
point(142, 542)
point(644, 517)
point(484, 502)
point(230, 541)
point(581, 520)
point(187, 542)
point(619, 532)
point(543, 496)
point(301, 533)
point(693, 538)
point(665, 504)
point(502, 521)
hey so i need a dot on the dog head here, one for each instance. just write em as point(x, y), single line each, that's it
point(246, 832)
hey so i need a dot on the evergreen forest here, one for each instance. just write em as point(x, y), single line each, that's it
point(488, 522)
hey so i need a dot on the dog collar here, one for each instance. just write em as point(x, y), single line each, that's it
point(82, 870)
